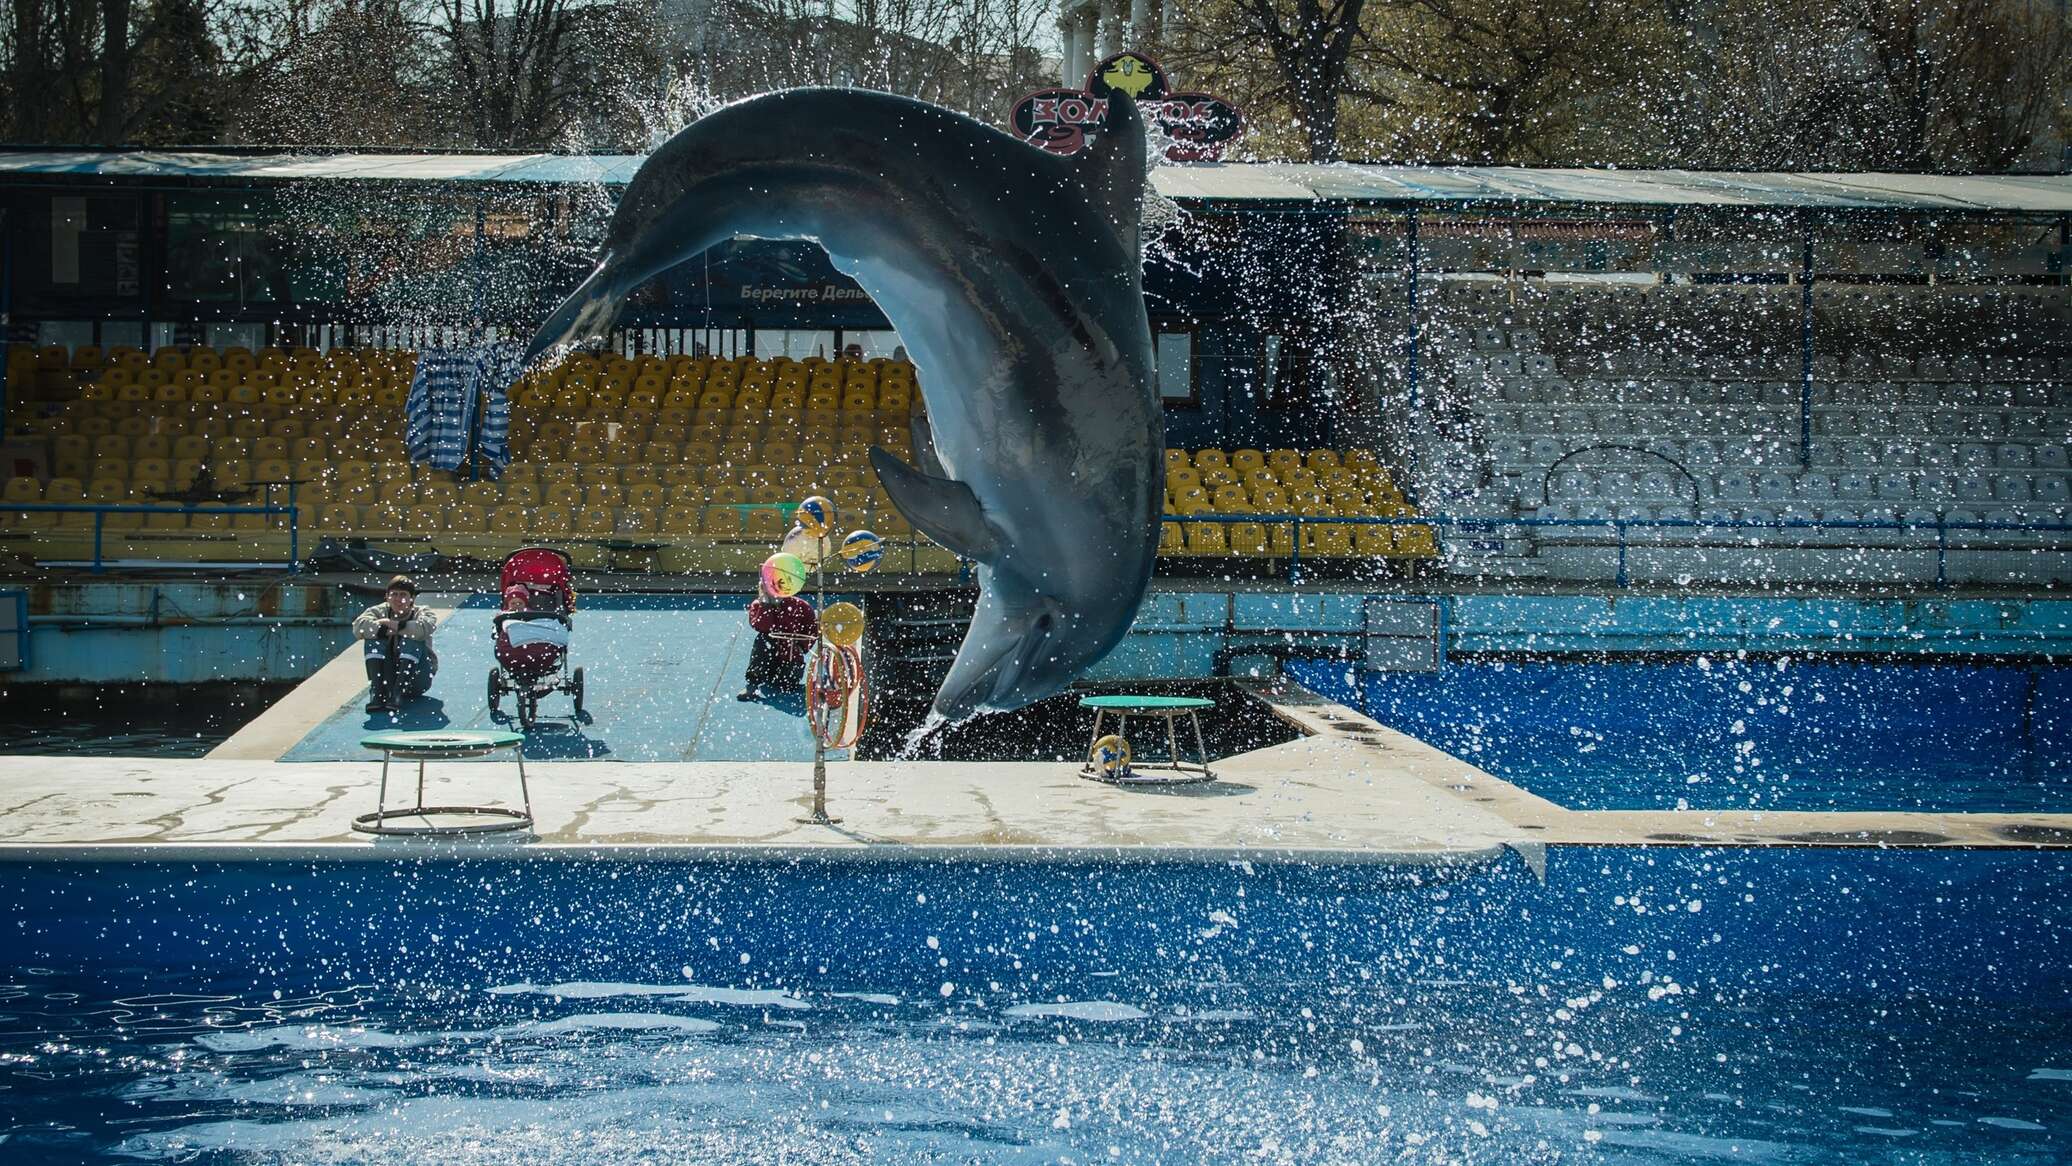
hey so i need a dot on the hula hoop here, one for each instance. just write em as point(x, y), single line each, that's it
point(835, 681)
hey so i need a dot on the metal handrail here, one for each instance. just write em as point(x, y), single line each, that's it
point(1619, 527)
point(101, 511)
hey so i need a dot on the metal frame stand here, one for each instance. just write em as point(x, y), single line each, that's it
point(1182, 772)
point(502, 819)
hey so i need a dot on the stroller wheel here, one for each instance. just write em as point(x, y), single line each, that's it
point(528, 707)
point(575, 687)
point(496, 691)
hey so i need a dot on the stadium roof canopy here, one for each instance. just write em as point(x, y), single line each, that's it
point(1258, 183)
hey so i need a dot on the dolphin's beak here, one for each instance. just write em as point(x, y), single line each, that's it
point(1004, 662)
point(588, 311)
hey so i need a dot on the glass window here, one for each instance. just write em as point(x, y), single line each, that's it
point(1174, 353)
point(873, 344)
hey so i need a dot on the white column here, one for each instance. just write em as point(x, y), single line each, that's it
point(1089, 46)
point(1140, 24)
point(1111, 27)
point(1068, 51)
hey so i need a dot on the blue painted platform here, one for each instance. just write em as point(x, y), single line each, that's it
point(661, 673)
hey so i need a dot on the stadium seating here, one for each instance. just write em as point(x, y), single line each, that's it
point(1650, 403)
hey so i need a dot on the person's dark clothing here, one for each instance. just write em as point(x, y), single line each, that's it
point(399, 667)
point(784, 631)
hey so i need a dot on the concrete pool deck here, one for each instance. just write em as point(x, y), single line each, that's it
point(1350, 790)
point(672, 760)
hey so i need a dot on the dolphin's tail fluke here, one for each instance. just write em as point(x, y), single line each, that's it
point(588, 311)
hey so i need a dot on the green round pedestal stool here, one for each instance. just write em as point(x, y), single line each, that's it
point(444, 745)
point(1175, 770)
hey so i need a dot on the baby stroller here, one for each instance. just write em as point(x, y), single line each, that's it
point(532, 632)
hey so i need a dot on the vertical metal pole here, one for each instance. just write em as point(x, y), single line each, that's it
point(1942, 551)
point(1619, 528)
point(1413, 373)
point(294, 533)
point(1295, 550)
point(99, 515)
point(1806, 348)
point(6, 304)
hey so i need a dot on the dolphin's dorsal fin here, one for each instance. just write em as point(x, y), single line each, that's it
point(944, 509)
point(1113, 169)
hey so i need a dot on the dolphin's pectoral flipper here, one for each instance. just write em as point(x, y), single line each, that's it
point(944, 509)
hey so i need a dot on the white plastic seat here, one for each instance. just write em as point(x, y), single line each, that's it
point(1614, 422)
point(1655, 485)
point(2010, 456)
point(1735, 487)
point(2052, 489)
point(1816, 486)
point(1855, 484)
point(2049, 457)
point(1973, 487)
point(1824, 453)
point(1940, 455)
point(1973, 456)
point(1701, 452)
point(1773, 486)
point(1895, 487)
point(1545, 451)
point(2011, 488)
point(1718, 515)
point(1573, 484)
point(1858, 452)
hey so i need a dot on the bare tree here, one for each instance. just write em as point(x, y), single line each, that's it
point(1295, 57)
point(1882, 84)
point(511, 79)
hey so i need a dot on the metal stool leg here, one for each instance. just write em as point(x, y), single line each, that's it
point(1201, 751)
point(1088, 767)
point(1172, 744)
point(420, 783)
point(524, 790)
point(381, 799)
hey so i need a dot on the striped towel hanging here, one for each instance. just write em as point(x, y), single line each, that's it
point(440, 409)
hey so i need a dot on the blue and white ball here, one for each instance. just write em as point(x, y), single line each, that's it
point(815, 515)
point(862, 550)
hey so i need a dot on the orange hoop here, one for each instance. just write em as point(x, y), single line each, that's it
point(837, 701)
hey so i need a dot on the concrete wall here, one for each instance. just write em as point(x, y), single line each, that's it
point(182, 632)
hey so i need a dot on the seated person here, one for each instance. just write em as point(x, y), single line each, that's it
point(397, 635)
point(784, 629)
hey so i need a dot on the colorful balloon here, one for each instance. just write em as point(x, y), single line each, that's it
point(783, 574)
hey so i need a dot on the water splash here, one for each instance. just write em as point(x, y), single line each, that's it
point(911, 747)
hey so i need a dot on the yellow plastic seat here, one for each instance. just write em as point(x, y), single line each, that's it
point(483, 494)
point(466, 518)
point(165, 520)
point(1177, 459)
point(679, 520)
point(425, 520)
point(1282, 461)
point(1180, 481)
point(1211, 459)
point(564, 495)
point(1416, 541)
point(723, 522)
point(1207, 538)
point(1328, 539)
point(1248, 538)
point(1322, 459)
point(1170, 539)
point(1375, 541)
point(646, 495)
point(397, 494)
point(523, 494)
point(594, 521)
point(338, 516)
point(509, 520)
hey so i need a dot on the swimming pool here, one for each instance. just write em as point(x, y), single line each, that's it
point(1638, 1006)
point(1727, 733)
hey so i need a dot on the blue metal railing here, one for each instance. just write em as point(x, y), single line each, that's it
point(101, 511)
point(1620, 526)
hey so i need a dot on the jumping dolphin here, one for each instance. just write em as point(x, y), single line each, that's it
point(1015, 280)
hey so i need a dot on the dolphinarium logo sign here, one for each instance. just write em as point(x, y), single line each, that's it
point(1196, 126)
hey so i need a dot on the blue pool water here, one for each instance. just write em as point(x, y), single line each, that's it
point(1722, 733)
point(1660, 1005)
